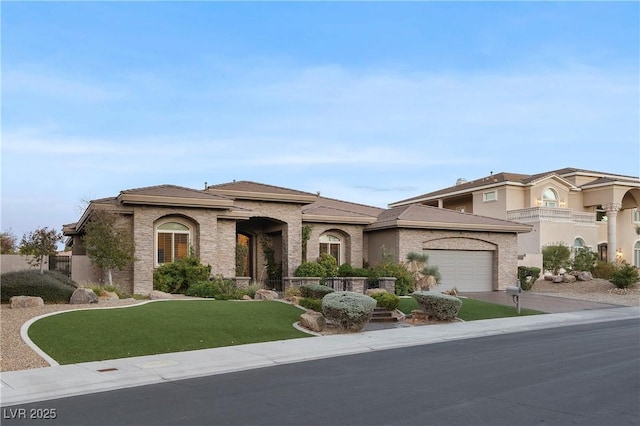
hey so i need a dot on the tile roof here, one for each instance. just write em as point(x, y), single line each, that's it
point(172, 191)
point(421, 216)
point(249, 186)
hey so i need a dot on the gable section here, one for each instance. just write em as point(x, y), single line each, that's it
point(327, 210)
point(247, 190)
point(172, 195)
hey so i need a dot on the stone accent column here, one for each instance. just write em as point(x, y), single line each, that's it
point(388, 283)
point(612, 210)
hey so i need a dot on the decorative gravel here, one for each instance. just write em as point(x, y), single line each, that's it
point(16, 355)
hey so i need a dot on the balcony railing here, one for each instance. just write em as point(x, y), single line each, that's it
point(548, 214)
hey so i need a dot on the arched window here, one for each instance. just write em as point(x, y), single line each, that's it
point(332, 244)
point(578, 243)
point(549, 198)
point(172, 242)
point(636, 254)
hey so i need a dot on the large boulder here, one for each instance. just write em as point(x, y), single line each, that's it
point(264, 294)
point(313, 321)
point(26, 302)
point(584, 276)
point(568, 278)
point(109, 295)
point(82, 296)
point(159, 295)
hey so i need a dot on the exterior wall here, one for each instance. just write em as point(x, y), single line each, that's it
point(224, 262)
point(84, 272)
point(377, 240)
point(516, 198)
point(16, 262)
point(352, 237)
point(504, 245)
point(497, 208)
point(291, 215)
point(204, 239)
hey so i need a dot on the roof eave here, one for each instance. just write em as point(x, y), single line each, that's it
point(475, 227)
point(156, 200)
point(265, 196)
point(338, 219)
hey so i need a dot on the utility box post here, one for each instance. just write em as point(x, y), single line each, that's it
point(515, 293)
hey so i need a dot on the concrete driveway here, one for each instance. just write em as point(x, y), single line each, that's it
point(540, 302)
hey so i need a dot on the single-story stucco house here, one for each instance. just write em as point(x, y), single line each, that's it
point(474, 253)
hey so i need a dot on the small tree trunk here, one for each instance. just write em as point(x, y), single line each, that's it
point(42, 264)
point(109, 275)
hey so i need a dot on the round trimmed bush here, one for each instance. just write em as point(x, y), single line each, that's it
point(315, 291)
point(437, 305)
point(350, 311)
point(386, 300)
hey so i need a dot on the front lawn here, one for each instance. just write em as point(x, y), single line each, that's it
point(162, 327)
point(472, 309)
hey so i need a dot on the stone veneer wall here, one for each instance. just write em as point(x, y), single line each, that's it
point(352, 237)
point(204, 240)
point(291, 215)
point(505, 246)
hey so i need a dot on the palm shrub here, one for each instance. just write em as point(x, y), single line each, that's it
point(625, 276)
point(349, 310)
point(177, 276)
point(52, 287)
point(437, 305)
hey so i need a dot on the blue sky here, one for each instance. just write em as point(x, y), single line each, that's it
point(366, 102)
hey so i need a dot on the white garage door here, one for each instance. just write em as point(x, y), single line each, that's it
point(465, 270)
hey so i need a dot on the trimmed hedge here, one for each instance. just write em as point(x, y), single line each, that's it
point(315, 291)
point(351, 311)
point(53, 287)
point(313, 304)
point(437, 305)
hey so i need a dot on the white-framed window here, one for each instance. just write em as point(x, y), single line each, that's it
point(172, 242)
point(636, 215)
point(332, 244)
point(489, 196)
point(549, 198)
point(578, 243)
point(636, 254)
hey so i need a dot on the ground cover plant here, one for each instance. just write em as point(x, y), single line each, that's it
point(162, 327)
point(472, 309)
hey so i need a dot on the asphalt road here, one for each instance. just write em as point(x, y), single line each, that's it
point(580, 375)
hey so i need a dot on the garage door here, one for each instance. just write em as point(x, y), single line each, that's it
point(463, 269)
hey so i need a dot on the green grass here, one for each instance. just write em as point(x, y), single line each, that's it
point(162, 327)
point(472, 309)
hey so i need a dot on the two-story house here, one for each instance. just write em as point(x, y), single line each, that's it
point(580, 208)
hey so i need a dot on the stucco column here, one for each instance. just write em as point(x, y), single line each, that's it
point(612, 210)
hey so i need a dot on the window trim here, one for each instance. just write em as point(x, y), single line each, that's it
point(325, 239)
point(486, 196)
point(550, 202)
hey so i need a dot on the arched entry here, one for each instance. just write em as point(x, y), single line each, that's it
point(265, 252)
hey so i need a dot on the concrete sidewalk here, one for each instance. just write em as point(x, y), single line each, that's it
point(18, 387)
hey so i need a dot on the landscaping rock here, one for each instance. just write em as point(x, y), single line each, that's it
point(313, 321)
point(246, 297)
point(26, 302)
point(372, 291)
point(568, 278)
point(109, 295)
point(82, 296)
point(557, 279)
point(584, 276)
point(263, 294)
point(157, 294)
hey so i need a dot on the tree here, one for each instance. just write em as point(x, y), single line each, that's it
point(39, 244)
point(108, 244)
point(556, 256)
point(8, 242)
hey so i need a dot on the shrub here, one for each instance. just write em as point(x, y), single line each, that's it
point(556, 256)
point(604, 270)
point(346, 270)
point(386, 300)
point(528, 275)
point(584, 260)
point(217, 288)
point(50, 286)
point(437, 305)
point(313, 304)
point(388, 268)
point(177, 276)
point(625, 276)
point(329, 264)
point(351, 311)
point(315, 291)
point(309, 269)
point(251, 290)
point(292, 292)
